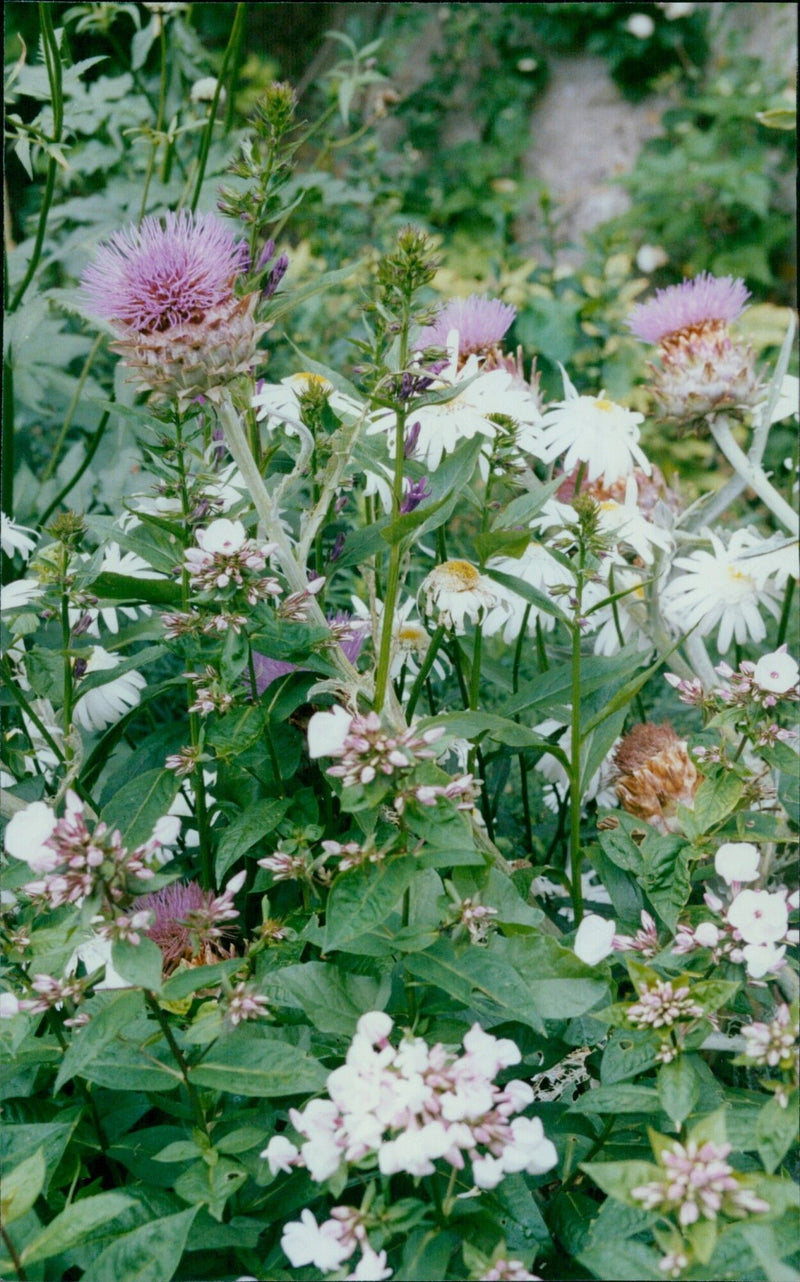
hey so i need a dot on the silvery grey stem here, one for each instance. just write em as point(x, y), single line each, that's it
point(752, 474)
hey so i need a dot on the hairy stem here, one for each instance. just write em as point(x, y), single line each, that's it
point(752, 474)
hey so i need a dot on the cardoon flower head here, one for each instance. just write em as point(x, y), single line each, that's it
point(481, 324)
point(702, 367)
point(656, 775)
point(168, 290)
point(189, 922)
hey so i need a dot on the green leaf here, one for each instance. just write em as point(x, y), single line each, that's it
point(703, 1238)
point(560, 985)
point(211, 1186)
point(74, 1224)
point(93, 680)
point(623, 1097)
point(185, 982)
point(479, 979)
point(447, 484)
point(20, 1141)
point(426, 1255)
point(618, 1178)
point(765, 1245)
point(22, 1186)
point(520, 510)
point(260, 1067)
point(123, 1067)
point(237, 731)
point(363, 898)
point(149, 1253)
point(665, 879)
point(713, 802)
point(332, 1000)
point(139, 803)
point(776, 1130)
point(88, 1042)
point(140, 964)
point(555, 686)
point(508, 542)
point(616, 1261)
point(255, 821)
point(678, 1088)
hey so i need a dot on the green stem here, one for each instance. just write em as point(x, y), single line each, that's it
point(67, 657)
point(393, 580)
point(162, 100)
point(91, 450)
point(787, 605)
point(53, 60)
point(205, 143)
point(475, 673)
point(17, 694)
point(575, 851)
point(73, 405)
point(523, 765)
point(421, 677)
point(13, 1255)
point(7, 502)
point(180, 1060)
point(195, 730)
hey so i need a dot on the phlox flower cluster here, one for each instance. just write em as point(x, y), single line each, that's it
point(363, 748)
point(408, 1107)
point(698, 1184)
point(209, 695)
point(462, 791)
point(645, 941)
point(328, 1245)
point(753, 927)
point(773, 1044)
point(225, 557)
point(76, 862)
point(666, 1007)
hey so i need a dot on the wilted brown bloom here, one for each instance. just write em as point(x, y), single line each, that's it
point(656, 775)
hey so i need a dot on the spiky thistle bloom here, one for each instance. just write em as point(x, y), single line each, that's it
point(703, 368)
point(168, 291)
point(656, 775)
point(481, 324)
point(188, 923)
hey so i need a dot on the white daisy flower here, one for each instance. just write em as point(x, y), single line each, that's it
point(115, 561)
point(466, 414)
point(627, 522)
point(16, 538)
point(631, 615)
point(19, 594)
point(455, 591)
point(410, 640)
point(595, 431)
point(723, 588)
point(280, 402)
point(539, 569)
point(106, 704)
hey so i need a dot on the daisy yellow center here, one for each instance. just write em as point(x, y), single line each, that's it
point(309, 380)
point(411, 634)
point(603, 403)
point(458, 576)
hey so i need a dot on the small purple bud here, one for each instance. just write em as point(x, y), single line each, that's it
point(338, 547)
point(83, 624)
point(276, 276)
point(79, 667)
point(266, 255)
point(417, 493)
point(412, 439)
point(341, 503)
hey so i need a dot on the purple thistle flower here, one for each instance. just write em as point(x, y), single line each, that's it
point(693, 303)
point(418, 491)
point(152, 277)
point(173, 908)
point(481, 324)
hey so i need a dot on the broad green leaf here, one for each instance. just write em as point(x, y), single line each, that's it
point(18, 1141)
point(555, 686)
point(776, 1131)
point(88, 1042)
point(140, 964)
point(333, 1000)
point(149, 1253)
point(622, 1097)
point(259, 1067)
point(618, 1178)
point(479, 979)
point(560, 985)
point(74, 1224)
point(665, 878)
point(364, 897)
point(255, 821)
point(137, 806)
point(616, 1261)
point(21, 1187)
point(627, 1053)
point(185, 982)
point(678, 1088)
point(211, 1186)
point(426, 1255)
point(123, 1067)
point(447, 484)
point(520, 510)
point(713, 802)
point(528, 593)
point(93, 680)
